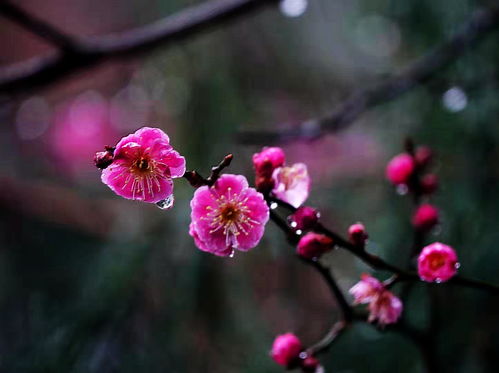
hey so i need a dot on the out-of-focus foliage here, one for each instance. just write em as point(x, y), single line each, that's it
point(93, 283)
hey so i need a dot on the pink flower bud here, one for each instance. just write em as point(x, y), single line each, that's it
point(423, 155)
point(437, 262)
point(313, 245)
point(357, 234)
point(310, 364)
point(304, 218)
point(264, 184)
point(286, 350)
point(268, 160)
point(103, 159)
point(400, 169)
point(429, 184)
point(425, 217)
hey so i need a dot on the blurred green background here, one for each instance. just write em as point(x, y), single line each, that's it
point(90, 282)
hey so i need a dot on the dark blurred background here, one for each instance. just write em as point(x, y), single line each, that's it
point(90, 282)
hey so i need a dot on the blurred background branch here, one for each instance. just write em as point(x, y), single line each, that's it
point(78, 53)
point(482, 22)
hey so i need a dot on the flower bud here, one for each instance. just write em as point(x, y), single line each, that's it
point(400, 169)
point(423, 156)
point(313, 245)
point(286, 350)
point(425, 217)
point(103, 159)
point(310, 364)
point(437, 263)
point(268, 160)
point(304, 218)
point(429, 183)
point(357, 234)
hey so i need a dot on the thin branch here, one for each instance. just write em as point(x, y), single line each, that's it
point(36, 26)
point(89, 52)
point(196, 180)
point(378, 263)
point(481, 23)
point(326, 342)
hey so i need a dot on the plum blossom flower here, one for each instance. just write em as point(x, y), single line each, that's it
point(400, 169)
point(291, 184)
point(425, 217)
point(383, 305)
point(366, 289)
point(227, 216)
point(437, 262)
point(286, 349)
point(143, 166)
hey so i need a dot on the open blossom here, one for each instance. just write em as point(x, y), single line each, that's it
point(267, 161)
point(143, 166)
point(386, 308)
point(400, 169)
point(227, 216)
point(366, 289)
point(292, 184)
point(286, 349)
point(383, 305)
point(437, 262)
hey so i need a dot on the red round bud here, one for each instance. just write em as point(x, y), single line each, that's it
point(357, 234)
point(425, 217)
point(304, 218)
point(423, 156)
point(313, 245)
point(400, 169)
point(429, 184)
point(310, 364)
point(286, 350)
point(268, 160)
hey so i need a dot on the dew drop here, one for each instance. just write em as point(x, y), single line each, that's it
point(402, 189)
point(273, 205)
point(293, 8)
point(293, 224)
point(437, 230)
point(457, 265)
point(438, 280)
point(299, 232)
point(303, 355)
point(232, 253)
point(166, 204)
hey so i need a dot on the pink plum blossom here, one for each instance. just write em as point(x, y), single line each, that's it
point(425, 217)
point(286, 349)
point(366, 289)
point(227, 216)
point(400, 169)
point(357, 234)
point(292, 184)
point(437, 262)
point(304, 218)
point(143, 166)
point(268, 160)
point(383, 305)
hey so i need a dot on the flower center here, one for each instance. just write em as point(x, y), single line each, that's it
point(437, 262)
point(142, 164)
point(229, 214)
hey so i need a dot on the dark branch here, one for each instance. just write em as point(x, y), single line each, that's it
point(326, 342)
point(89, 52)
point(481, 23)
point(196, 180)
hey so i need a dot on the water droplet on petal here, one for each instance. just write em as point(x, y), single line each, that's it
point(402, 189)
point(232, 253)
point(293, 8)
point(438, 280)
point(167, 203)
point(303, 355)
point(299, 232)
point(293, 224)
point(457, 265)
point(273, 205)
